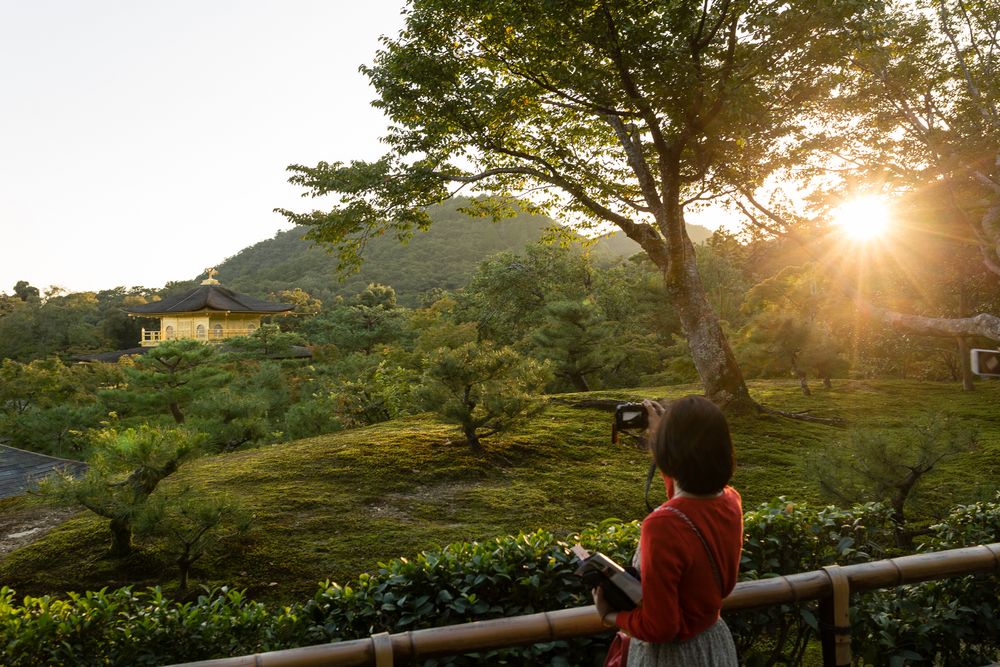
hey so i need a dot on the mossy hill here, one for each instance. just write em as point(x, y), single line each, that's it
point(334, 506)
point(444, 256)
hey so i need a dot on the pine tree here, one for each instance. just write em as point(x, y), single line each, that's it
point(577, 339)
point(125, 470)
point(873, 467)
point(190, 525)
point(483, 388)
point(169, 377)
point(267, 341)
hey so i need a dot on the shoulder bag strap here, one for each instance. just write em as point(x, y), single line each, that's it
point(708, 551)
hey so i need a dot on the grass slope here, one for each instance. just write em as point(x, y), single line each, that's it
point(334, 506)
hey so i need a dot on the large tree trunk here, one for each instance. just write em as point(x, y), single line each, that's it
point(713, 358)
point(672, 251)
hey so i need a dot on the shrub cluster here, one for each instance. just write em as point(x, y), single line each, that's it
point(784, 538)
point(949, 622)
point(124, 627)
point(506, 576)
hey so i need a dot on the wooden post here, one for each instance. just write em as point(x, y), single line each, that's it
point(835, 620)
point(382, 645)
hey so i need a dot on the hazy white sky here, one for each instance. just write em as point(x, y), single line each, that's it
point(141, 142)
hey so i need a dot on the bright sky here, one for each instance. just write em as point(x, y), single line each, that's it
point(141, 142)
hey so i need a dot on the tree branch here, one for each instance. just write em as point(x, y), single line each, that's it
point(754, 221)
point(987, 181)
point(984, 324)
point(701, 38)
point(573, 102)
point(763, 209)
point(666, 152)
point(985, 110)
point(642, 233)
point(633, 151)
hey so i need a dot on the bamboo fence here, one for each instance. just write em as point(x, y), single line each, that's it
point(832, 586)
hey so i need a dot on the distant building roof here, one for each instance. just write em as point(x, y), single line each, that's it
point(210, 297)
point(19, 469)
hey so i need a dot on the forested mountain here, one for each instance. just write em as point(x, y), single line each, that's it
point(443, 257)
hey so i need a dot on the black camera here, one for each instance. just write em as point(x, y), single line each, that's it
point(629, 417)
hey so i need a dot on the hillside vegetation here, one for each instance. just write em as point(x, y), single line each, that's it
point(334, 506)
point(443, 257)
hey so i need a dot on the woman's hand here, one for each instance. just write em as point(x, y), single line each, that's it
point(607, 612)
point(654, 413)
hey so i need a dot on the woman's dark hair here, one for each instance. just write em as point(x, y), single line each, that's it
point(692, 445)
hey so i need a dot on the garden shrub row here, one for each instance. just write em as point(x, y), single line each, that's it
point(948, 622)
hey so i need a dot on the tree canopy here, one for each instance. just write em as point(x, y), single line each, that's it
point(918, 113)
point(622, 112)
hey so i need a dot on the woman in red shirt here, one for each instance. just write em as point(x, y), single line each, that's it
point(689, 547)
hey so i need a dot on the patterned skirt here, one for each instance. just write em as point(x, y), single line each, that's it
point(712, 648)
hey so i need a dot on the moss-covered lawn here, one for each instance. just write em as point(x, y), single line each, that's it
point(334, 506)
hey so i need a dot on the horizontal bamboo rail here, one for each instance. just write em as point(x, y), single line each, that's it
point(834, 582)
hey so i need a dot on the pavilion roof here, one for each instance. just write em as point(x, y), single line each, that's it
point(210, 297)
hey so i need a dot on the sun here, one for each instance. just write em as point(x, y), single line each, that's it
point(863, 218)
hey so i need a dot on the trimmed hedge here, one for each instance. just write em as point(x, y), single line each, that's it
point(524, 574)
point(951, 622)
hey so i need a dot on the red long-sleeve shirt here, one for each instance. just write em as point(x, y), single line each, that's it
point(680, 597)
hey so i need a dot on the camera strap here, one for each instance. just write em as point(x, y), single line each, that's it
point(650, 474)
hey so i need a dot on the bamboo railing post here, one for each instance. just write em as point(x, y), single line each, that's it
point(835, 621)
point(382, 645)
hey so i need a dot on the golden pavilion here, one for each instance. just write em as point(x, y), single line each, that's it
point(209, 312)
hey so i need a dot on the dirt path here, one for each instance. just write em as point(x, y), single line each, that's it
point(20, 526)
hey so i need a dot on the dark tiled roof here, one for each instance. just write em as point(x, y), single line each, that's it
point(20, 469)
point(210, 297)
